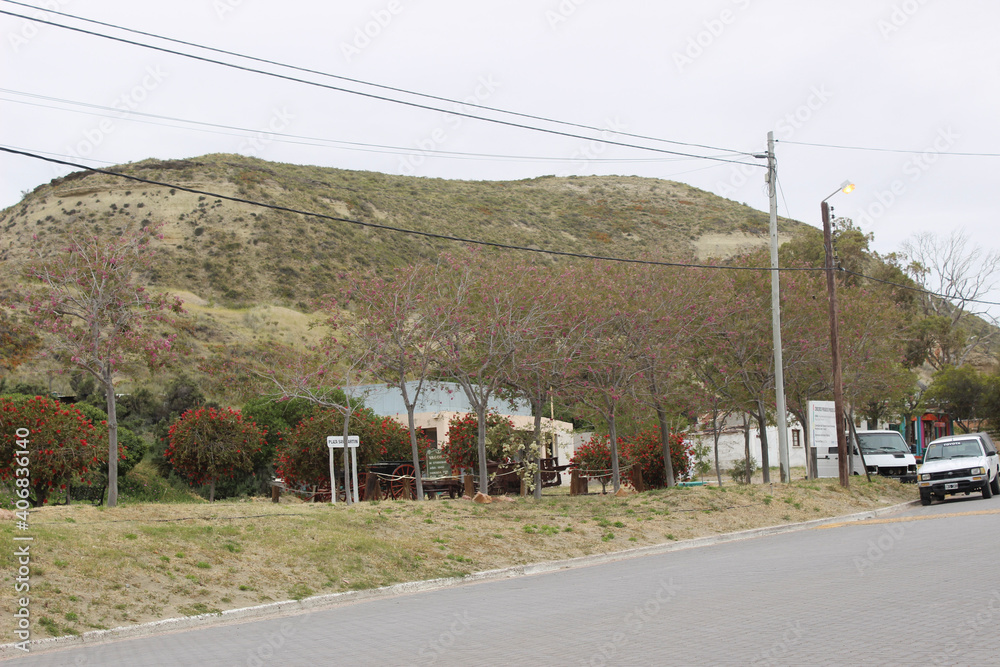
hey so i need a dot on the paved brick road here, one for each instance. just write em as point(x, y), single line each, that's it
point(902, 592)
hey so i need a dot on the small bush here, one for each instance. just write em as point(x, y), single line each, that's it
point(738, 472)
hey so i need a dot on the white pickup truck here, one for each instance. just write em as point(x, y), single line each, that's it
point(959, 464)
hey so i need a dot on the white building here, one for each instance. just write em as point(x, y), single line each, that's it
point(732, 446)
point(440, 402)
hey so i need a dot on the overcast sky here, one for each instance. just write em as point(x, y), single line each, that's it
point(912, 75)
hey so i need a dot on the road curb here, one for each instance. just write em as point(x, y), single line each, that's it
point(321, 602)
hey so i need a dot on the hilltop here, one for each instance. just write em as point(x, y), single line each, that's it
point(240, 255)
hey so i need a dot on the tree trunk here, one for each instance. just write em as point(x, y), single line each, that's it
point(715, 436)
point(765, 462)
point(537, 410)
point(211, 491)
point(348, 498)
point(668, 464)
point(746, 448)
point(615, 475)
point(109, 388)
point(484, 480)
point(416, 452)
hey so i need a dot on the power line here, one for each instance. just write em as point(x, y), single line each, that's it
point(921, 290)
point(781, 191)
point(390, 228)
point(368, 83)
point(456, 239)
point(73, 157)
point(112, 112)
point(373, 96)
point(888, 150)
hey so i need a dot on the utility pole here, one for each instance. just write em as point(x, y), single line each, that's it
point(838, 381)
point(779, 369)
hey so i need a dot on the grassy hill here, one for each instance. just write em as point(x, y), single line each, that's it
point(241, 255)
point(246, 271)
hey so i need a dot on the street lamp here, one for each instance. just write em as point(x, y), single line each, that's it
point(838, 381)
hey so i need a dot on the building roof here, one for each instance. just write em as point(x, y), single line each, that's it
point(434, 397)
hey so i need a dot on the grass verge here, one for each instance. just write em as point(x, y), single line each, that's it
point(95, 568)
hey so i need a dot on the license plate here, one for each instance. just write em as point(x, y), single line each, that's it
point(950, 486)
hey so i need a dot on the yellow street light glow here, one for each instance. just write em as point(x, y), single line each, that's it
point(845, 187)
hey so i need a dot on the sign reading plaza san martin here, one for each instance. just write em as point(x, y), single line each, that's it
point(337, 441)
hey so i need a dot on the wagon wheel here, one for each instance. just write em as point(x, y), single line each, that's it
point(342, 492)
point(397, 486)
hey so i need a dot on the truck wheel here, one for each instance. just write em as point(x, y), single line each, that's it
point(925, 497)
point(987, 490)
point(995, 484)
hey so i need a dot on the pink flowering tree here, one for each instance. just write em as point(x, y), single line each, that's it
point(397, 321)
point(670, 317)
point(88, 302)
point(485, 320)
point(610, 363)
point(539, 362)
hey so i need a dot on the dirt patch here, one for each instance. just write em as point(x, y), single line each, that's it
point(727, 245)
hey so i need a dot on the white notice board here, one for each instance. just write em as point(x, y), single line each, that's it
point(822, 425)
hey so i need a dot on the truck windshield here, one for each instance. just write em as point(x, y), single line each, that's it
point(882, 443)
point(953, 450)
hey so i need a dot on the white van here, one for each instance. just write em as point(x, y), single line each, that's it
point(885, 453)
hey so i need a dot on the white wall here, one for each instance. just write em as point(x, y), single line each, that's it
point(440, 419)
point(731, 447)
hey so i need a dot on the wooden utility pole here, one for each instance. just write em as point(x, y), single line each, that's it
point(838, 381)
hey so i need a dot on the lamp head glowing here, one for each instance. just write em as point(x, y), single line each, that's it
point(847, 187)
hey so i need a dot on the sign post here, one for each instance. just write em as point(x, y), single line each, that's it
point(337, 442)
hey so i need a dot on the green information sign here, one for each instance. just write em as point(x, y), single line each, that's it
point(437, 465)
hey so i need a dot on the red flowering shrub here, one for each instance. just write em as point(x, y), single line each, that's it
point(62, 445)
point(645, 449)
point(208, 443)
point(303, 457)
point(593, 459)
point(593, 456)
point(462, 450)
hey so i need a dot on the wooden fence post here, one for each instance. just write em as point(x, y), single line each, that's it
point(637, 478)
point(372, 487)
point(574, 482)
